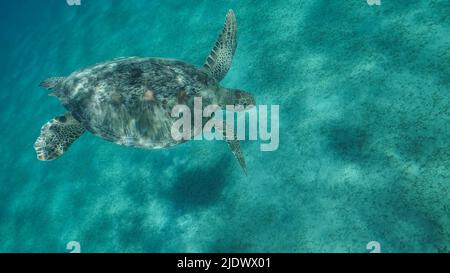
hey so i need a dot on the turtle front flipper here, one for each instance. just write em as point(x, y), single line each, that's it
point(56, 136)
point(227, 131)
point(219, 60)
point(236, 149)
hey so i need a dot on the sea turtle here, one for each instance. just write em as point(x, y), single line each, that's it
point(129, 100)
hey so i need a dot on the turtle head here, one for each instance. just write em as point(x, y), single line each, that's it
point(241, 100)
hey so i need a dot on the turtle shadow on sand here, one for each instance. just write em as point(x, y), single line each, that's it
point(347, 142)
point(197, 188)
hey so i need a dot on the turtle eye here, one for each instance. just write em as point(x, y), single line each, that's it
point(61, 119)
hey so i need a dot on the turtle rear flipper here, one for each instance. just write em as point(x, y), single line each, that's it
point(51, 83)
point(219, 60)
point(56, 136)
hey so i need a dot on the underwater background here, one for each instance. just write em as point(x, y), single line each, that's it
point(364, 149)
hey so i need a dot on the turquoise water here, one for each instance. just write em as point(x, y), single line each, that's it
point(364, 128)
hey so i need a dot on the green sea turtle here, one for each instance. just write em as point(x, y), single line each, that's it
point(129, 100)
